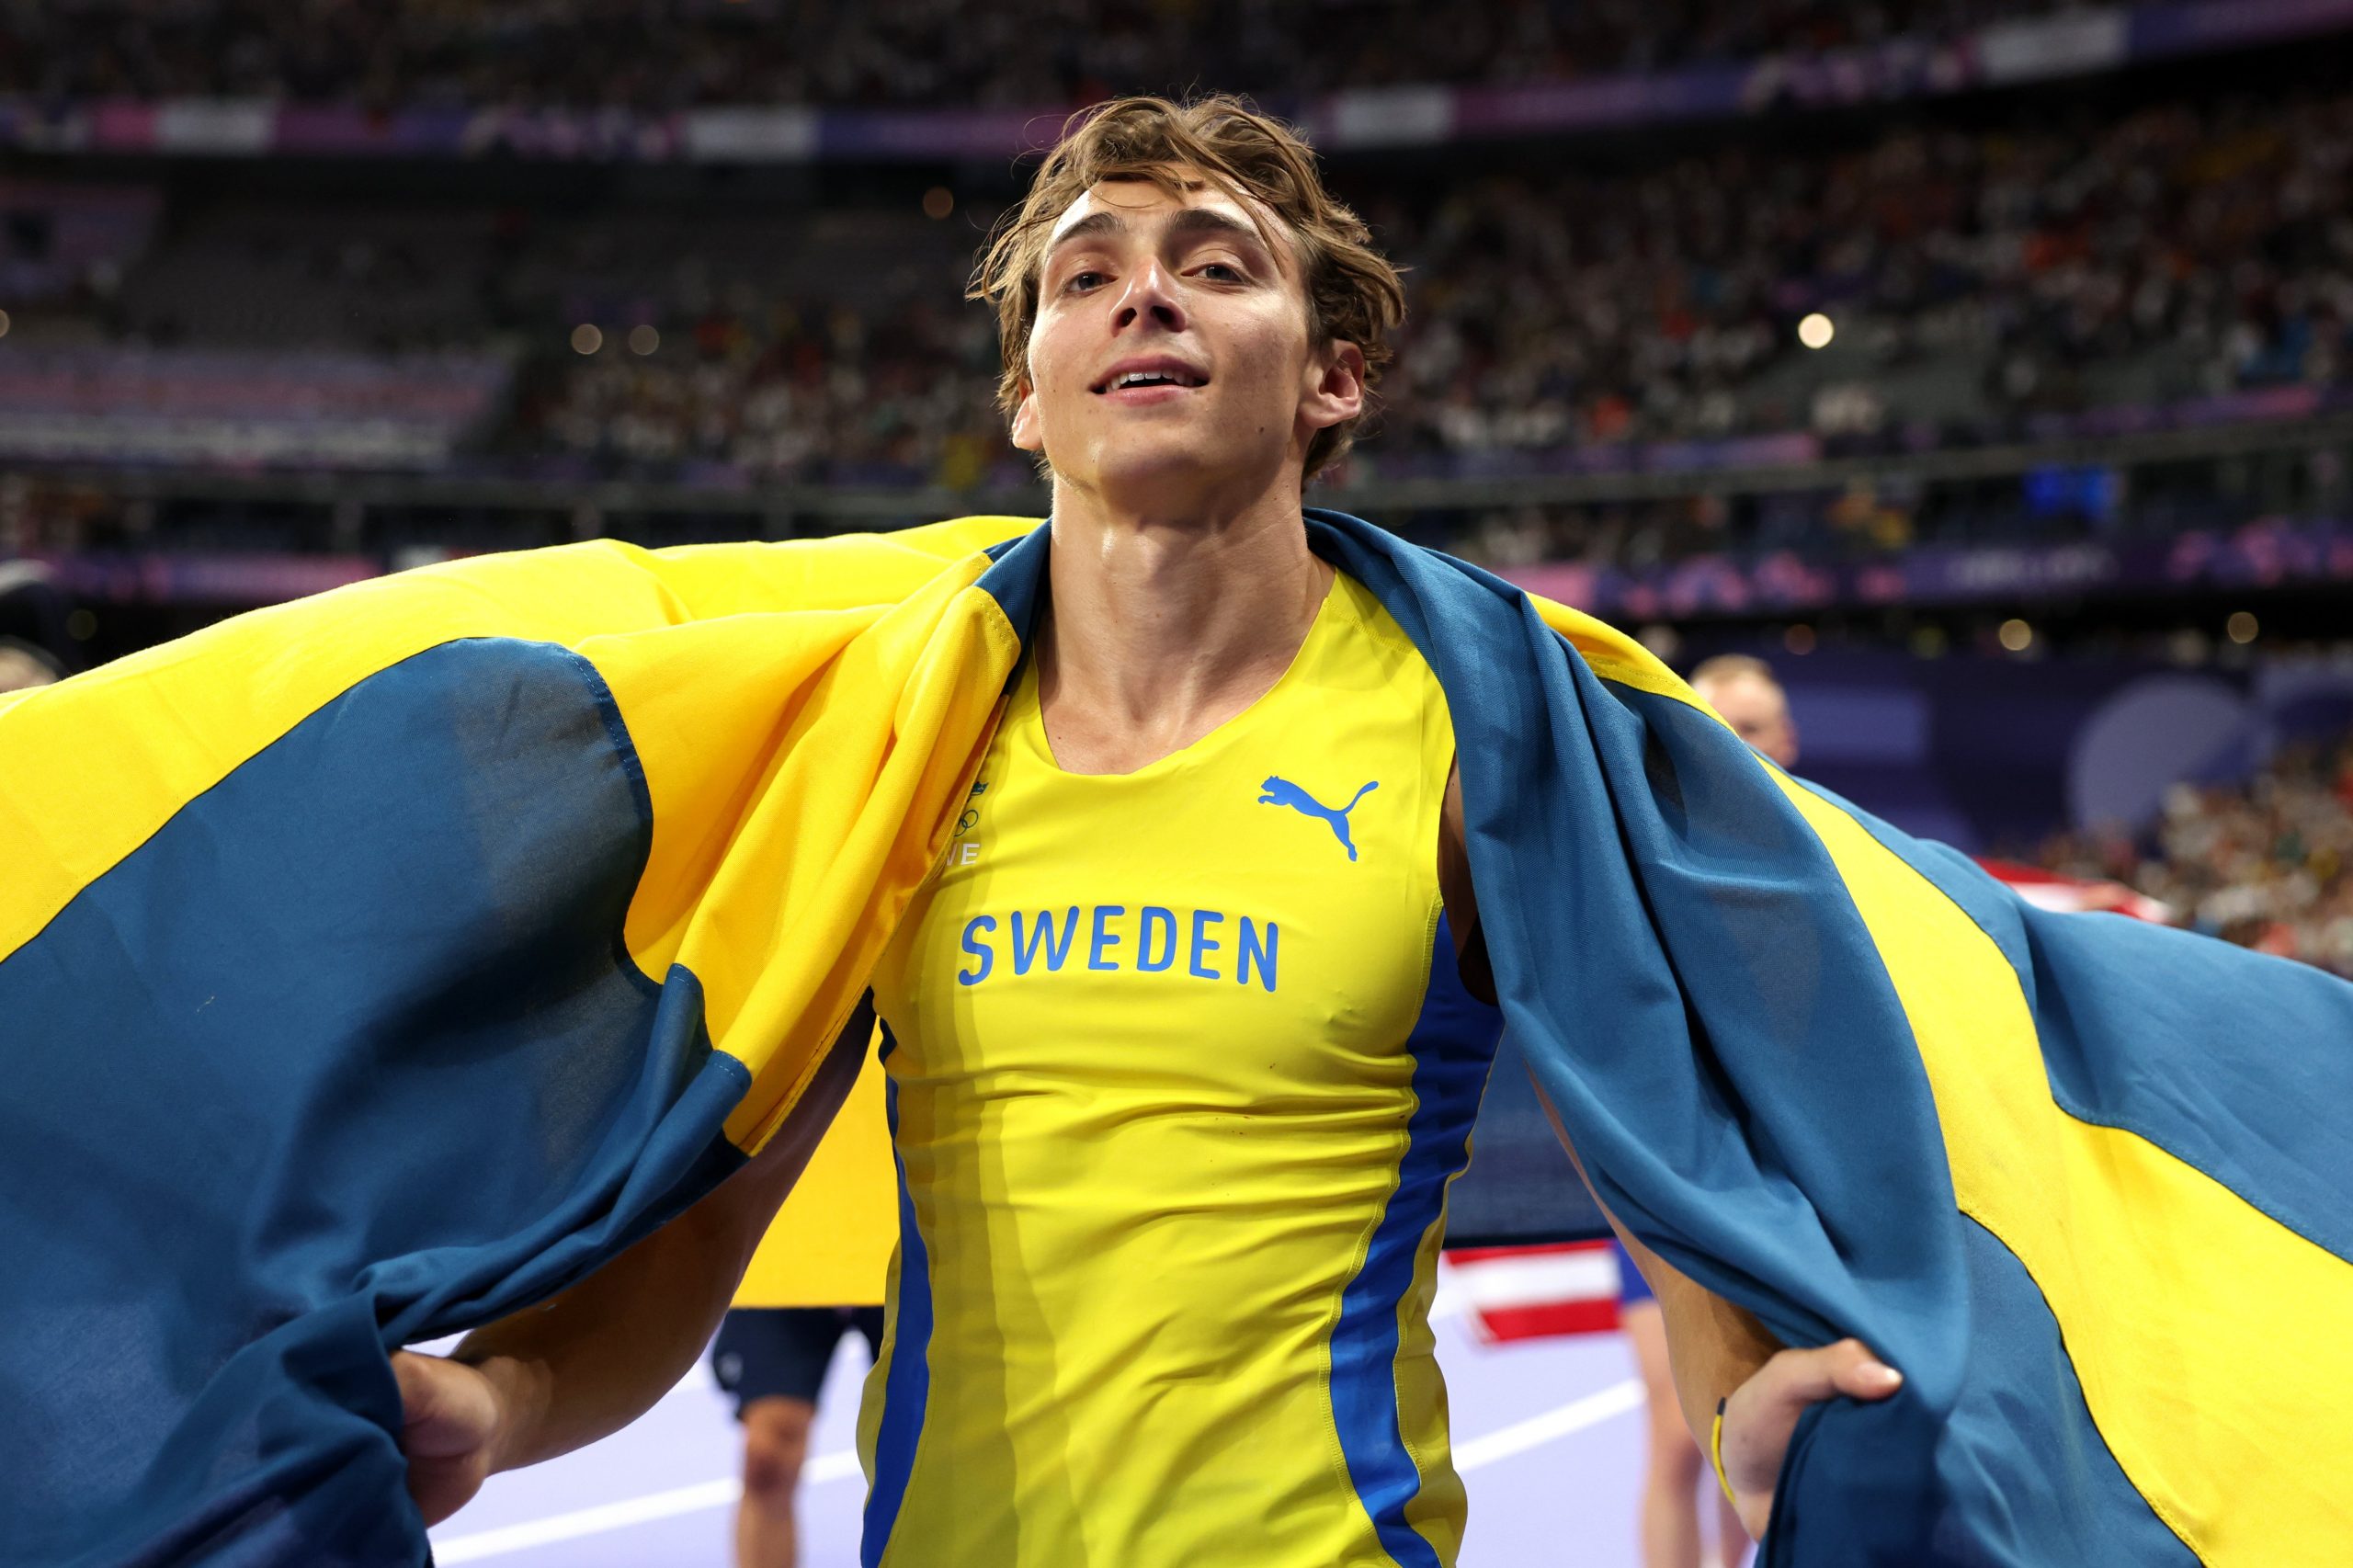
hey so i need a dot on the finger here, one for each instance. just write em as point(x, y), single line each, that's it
point(1861, 1375)
point(416, 1382)
point(424, 1385)
point(442, 1486)
point(1799, 1378)
point(446, 1408)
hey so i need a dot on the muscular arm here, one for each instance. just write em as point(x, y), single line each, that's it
point(1712, 1347)
point(592, 1360)
point(1719, 1354)
point(1722, 1358)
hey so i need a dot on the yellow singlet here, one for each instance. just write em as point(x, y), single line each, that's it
point(1180, 1067)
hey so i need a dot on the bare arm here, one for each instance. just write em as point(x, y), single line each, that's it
point(1720, 1357)
point(592, 1360)
point(1712, 1347)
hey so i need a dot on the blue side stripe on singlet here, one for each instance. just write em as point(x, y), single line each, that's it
point(906, 1390)
point(1452, 1044)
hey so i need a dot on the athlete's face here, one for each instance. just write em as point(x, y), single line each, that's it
point(1171, 365)
point(1759, 713)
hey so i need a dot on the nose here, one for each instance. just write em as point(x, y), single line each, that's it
point(1150, 295)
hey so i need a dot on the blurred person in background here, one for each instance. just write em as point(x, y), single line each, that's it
point(1668, 1516)
point(1743, 689)
point(22, 664)
point(34, 641)
point(773, 1361)
point(819, 1275)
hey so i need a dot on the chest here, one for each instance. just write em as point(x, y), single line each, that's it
point(1250, 918)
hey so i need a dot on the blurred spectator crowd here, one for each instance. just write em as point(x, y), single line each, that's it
point(663, 54)
point(833, 394)
point(1976, 282)
point(2182, 250)
point(1969, 279)
point(2266, 864)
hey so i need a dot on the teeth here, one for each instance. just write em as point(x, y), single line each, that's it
point(1150, 379)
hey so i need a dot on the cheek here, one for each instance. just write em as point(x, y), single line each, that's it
point(1040, 361)
point(1048, 354)
point(1270, 353)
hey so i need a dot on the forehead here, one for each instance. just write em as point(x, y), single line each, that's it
point(1137, 207)
point(1746, 691)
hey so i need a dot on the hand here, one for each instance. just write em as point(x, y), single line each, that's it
point(1764, 1411)
point(451, 1418)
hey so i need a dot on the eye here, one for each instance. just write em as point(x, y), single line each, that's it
point(1084, 280)
point(1223, 272)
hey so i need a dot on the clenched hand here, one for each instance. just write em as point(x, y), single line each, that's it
point(1763, 1412)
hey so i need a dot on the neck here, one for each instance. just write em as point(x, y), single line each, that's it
point(1161, 628)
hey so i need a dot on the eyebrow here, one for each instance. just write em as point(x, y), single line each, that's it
point(1191, 220)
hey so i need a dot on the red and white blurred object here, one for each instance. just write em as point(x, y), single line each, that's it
point(2074, 895)
point(1533, 1292)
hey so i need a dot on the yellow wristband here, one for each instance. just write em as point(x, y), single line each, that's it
point(1716, 1455)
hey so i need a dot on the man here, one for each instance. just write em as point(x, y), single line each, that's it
point(1742, 689)
point(22, 665)
point(773, 1361)
point(1185, 1039)
point(484, 945)
point(831, 1242)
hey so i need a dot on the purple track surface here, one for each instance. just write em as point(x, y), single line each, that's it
point(1548, 1434)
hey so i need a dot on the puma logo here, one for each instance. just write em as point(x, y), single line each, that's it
point(1283, 792)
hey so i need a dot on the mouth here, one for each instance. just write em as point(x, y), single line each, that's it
point(1137, 380)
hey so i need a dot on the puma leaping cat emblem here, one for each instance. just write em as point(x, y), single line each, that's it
point(1283, 792)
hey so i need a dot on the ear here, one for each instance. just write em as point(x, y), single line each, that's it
point(1026, 436)
point(1335, 391)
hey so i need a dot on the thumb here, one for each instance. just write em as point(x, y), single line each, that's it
point(1795, 1379)
point(447, 1408)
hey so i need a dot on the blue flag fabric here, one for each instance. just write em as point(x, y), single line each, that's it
point(338, 1025)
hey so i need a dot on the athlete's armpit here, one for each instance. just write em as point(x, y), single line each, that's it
point(1461, 900)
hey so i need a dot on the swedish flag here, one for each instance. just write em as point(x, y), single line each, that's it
point(374, 966)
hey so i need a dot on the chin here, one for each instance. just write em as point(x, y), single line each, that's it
point(1154, 473)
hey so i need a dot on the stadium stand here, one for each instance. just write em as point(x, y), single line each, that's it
point(225, 407)
point(1984, 287)
point(2079, 340)
point(670, 53)
point(2267, 863)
